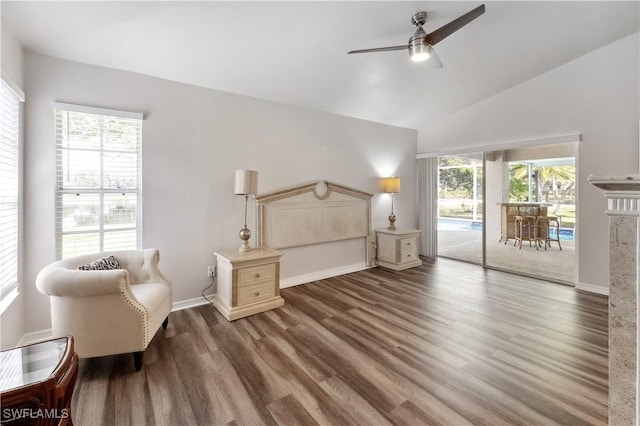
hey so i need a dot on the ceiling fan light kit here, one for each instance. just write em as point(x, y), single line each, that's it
point(419, 50)
point(420, 44)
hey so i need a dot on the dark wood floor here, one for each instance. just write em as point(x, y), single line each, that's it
point(446, 343)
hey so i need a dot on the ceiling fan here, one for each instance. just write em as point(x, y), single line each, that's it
point(421, 44)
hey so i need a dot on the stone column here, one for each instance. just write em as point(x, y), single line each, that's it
point(623, 196)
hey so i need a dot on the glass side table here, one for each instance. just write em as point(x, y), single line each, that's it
point(36, 383)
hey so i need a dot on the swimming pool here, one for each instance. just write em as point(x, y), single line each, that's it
point(449, 224)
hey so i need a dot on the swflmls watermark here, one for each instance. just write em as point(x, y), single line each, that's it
point(11, 414)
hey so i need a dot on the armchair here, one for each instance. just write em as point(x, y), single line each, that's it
point(108, 312)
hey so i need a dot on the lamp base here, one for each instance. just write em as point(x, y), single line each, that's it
point(245, 235)
point(392, 222)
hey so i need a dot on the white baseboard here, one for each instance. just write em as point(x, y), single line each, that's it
point(191, 303)
point(591, 288)
point(321, 275)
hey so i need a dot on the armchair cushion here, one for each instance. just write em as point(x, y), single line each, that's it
point(151, 295)
point(104, 264)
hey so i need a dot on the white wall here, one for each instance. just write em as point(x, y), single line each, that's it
point(12, 57)
point(12, 319)
point(596, 95)
point(193, 141)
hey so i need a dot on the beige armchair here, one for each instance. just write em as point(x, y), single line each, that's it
point(108, 311)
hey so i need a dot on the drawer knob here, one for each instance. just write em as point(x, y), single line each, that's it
point(257, 275)
point(257, 293)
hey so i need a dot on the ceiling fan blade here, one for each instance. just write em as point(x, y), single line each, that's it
point(379, 49)
point(453, 26)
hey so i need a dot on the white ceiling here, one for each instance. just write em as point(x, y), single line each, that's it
point(295, 52)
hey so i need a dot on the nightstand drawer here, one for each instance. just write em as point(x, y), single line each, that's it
point(256, 274)
point(408, 243)
point(410, 255)
point(255, 293)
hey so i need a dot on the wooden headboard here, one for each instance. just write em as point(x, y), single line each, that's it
point(314, 213)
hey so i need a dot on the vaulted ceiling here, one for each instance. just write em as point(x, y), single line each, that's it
point(295, 51)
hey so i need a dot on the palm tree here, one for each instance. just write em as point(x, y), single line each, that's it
point(547, 179)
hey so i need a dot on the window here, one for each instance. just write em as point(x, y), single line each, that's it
point(98, 180)
point(9, 186)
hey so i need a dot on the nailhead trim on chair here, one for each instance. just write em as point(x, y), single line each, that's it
point(138, 307)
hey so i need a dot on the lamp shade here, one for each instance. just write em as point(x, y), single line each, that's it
point(391, 185)
point(246, 182)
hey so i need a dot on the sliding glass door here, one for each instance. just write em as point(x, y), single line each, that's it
point(512, 209)
point(460, 207)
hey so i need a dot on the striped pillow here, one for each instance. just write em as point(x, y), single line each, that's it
point(103, 264)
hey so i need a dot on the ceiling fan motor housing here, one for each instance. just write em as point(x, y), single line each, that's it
point(419, 19)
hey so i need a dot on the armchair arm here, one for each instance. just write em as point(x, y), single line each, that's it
point(152, 257)
point(142, 265)
point(59, 281)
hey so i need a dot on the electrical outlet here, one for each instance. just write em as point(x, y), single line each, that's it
point(211, 271)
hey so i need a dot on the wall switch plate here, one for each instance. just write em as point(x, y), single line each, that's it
point(211, 271)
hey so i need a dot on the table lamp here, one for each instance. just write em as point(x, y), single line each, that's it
point(246, 184)
point(391, 185)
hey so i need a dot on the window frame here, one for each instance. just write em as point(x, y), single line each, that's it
point(62, 110)
point(11, 145)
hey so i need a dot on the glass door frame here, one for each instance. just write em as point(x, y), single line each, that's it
point(484, 255)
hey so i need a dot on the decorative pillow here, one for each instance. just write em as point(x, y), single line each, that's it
point(103, 264)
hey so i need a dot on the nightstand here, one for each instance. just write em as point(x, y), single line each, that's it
point(248, 282)
point(398, 249)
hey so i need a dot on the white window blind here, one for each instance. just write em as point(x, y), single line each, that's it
point(9, 187)
point(98, 180)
